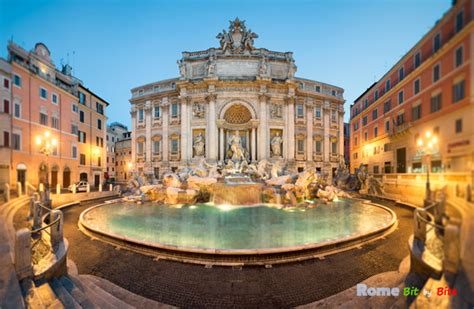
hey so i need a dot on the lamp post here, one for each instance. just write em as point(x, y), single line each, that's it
point(426, 145)
point(46, 144)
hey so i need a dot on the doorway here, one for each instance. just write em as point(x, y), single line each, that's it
point(401, 160)
point(96, 180)
point(54, 176)
point(66, 177)
point(21, 177)
point(83, 177)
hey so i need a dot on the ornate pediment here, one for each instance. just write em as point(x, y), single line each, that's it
point(238, 39)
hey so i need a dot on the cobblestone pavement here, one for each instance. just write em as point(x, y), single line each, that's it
point(194, 286)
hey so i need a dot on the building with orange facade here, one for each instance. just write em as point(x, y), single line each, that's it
point(45, 99)
point(428, 93)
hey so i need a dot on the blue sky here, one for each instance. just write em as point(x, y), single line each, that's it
point(116, 45)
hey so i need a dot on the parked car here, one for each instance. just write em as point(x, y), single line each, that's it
point(81, 186)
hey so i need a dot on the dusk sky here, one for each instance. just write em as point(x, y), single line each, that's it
point(114, 46)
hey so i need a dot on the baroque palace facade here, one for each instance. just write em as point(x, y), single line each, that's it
point(429, 92)
point(236, 94)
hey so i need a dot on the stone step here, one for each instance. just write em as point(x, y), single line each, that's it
point(8, 206)
point(66, 299)
point(76, 293)
point(130, 298)
point(47, 296)
point(99, 296)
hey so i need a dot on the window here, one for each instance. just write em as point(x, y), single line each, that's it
point(333, 92)
point(376, 131)
point(81, 116)
point(387, 106)
point(6, 139)
point(401, 73)
point(16, 141)
point(299, 111)
point(99, 124)
point(43, 93)
point(458, 125)
point(376, 169)
point(157, 112)
point(6, 106)
point(375, 114)
point(300, 146)
point(458, 91)
point(55, 122)
point(416, 86)
point(436, 103)
point(366, 136)
point(356, 125)
point(43, 119)
point(366, 103)
point(140, 146)
point(99, 161)
point(156, 147)
point(400, 119)
point(54, 98)
point(82, 159)
point(174, 146)
point(436, 42)
point(333, 116)
point(417, 59)
point(82, 137)
point(318, 146)
point(6, 83)
point(387, 126)
point(416, 112)
point(355, 140)
point(74, 129)
point(400, 97)
point(436, 73)
point(376, 95)
point(174, 110)
point(386, 147)
point(17, 109)
point(17, 80)
point(74, 151)
point(333, 147)
point(354, 156)
point(317, 112)
point(318, 88)
point(99, 108)
point(364, 121)
point(75, 108)
point(82, 98)
point(459, 21)
point(387, 85)
point(458, 56)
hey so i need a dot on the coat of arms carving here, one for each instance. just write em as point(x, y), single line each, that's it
point(238, 39)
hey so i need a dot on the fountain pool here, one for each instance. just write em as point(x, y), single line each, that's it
point(233, 230)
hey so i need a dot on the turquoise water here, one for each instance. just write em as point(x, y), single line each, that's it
point(229, 227)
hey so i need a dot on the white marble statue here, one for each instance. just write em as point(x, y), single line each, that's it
point(235, 147)
point(198, 110)
point(199, 145)
point(276, 145)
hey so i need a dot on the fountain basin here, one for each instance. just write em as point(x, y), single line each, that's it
point(237, 231)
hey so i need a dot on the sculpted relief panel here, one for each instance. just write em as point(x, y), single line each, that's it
point(237, 68)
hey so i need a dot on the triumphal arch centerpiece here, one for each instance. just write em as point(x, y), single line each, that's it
point(236, 102)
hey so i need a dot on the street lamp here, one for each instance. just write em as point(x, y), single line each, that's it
point(426, 144)
point(47, 144)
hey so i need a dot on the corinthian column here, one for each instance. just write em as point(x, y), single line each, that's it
point(184, 128)
point(309, 131)
point(165, 143)
point(211, 144)
point(291, 128)
point(340, 140)
point(133, 113)
point(148, 142)
point(263, 128)
point(327, 112)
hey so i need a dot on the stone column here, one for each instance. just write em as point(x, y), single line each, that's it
point(291, 128)
point(254, 144)
point(326, 117)
point(165, 115)
point(148, 110)
point(133, 113)
point(211, 144)
point(309, 131)
point(341, 131)
point(221, 144)
point(184, 128)
point(263, 128)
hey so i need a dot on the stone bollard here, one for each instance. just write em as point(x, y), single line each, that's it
point(452, 248)
point(88, 188)
point(58, 189)
point(420, 225)
point(31, 208)
point(23, 253)
point(74, 189)
point(6, 192)
point(19, 189)
point(41, 187)
point(100, 187)
point(110, 187)
point(56, 229)
point(469, 193)
point(37, 212)
point(26, 188)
